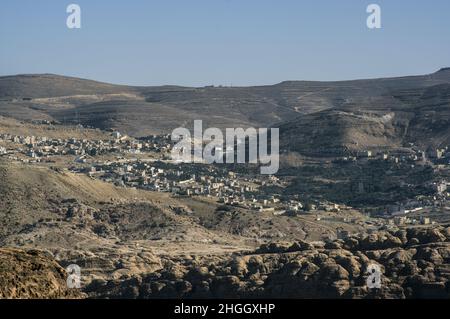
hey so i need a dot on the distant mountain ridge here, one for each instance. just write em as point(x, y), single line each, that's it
point(330, 116)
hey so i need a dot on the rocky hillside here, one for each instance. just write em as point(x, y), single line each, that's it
point(415, 263)
point(141, 111)
point(32, 274)
point(50, 85)
point(420, 116)
point(336, 132)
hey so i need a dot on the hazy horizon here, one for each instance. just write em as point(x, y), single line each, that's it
point(250, 85)
point(223, 42)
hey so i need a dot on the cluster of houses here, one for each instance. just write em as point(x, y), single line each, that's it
point(42, 147)
point(400, 213)
point(188, 180)
point(225, 186)
point(411, 154)
point(406, 220)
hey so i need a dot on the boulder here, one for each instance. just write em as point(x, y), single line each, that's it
point(430, 254)
point(350, 264)
point(308, 269)
point(333, 245)
point(300, 246)
point(351, 244)
point(333, 272)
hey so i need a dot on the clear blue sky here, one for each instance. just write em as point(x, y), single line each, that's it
point(238, 42)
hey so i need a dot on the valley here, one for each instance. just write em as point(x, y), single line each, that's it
point(86, 178)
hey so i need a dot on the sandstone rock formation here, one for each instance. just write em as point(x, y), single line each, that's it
point(32, 274)
point(414, 264)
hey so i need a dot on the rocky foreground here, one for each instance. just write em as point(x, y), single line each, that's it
point(415, 263)
point(32, 274)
